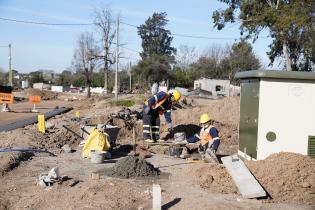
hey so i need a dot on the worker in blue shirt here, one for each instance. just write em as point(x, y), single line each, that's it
point(208, 137)
point(158, 104)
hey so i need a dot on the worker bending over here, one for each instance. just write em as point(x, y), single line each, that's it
point(158, 104)
point(208, 137)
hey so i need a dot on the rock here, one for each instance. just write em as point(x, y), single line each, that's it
point(306, 185)
point(49, 125)
point(66, 148)
point(95, 176)
point(42, 183)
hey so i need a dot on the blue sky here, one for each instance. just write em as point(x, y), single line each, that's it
point(51, 47)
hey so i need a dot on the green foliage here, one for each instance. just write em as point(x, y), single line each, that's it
point(290, 23)
point(181, 78)
point(78, 80)
point(64, 78)
point(156, 40)
point(123, 102)
point(36, 77)
point(97, 79)
point(152, 69)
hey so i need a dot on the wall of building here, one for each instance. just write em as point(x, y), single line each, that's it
point(216, 87)
point(286, 108)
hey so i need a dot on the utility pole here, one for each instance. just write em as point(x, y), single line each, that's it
point(10, 67)
point(117, 58)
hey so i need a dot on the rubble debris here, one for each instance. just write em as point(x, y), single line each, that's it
point(133, 167)
point(56, 138)
point(127, 115)
point(293, 180)
point(46, 180)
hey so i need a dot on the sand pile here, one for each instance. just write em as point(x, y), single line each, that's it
point(215, 178)
point(44, 94)
point(287, 177)
point(133, 167)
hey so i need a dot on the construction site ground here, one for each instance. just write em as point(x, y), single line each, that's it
point(184, 184)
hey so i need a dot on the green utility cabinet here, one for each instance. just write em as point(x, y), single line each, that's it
point(273, 105)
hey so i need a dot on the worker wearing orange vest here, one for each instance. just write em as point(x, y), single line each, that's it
point(158, 104)
point(208, 137)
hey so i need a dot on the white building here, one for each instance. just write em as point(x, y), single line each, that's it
point(277, 113)
point(214, 87)
point(41, 86)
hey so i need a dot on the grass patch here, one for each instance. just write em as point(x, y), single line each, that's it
point(123, 102)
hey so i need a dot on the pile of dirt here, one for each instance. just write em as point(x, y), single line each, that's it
point(133, 167)
point(44, 94)
point(57, 137)
point(287, 177)
point(215, 178)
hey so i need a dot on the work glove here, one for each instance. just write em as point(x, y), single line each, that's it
point(147, 110)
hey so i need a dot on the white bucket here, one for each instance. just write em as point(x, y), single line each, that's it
point(97, 156)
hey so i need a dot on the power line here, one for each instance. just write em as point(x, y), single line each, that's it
point(45, 23)
point(124, 23)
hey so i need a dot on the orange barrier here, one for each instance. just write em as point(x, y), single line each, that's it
point(34, 99)
point(6, 98)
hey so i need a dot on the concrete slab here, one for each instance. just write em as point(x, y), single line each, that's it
point(244, 180)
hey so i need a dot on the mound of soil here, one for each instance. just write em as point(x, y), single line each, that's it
point(287, 177)
point(215, 178)
point(133, 167)
point(56, 138)
point(44, 94)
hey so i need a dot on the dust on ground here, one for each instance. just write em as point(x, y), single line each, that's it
point(215, 178)
point(287, 177)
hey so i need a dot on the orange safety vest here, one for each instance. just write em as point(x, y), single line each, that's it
point(157, 104)
point(205, 136)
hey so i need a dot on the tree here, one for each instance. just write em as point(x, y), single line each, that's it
point(104, 22)
point(156, 40)
point(290, 22)
point(84, 57)
point(158, 54)
point(64, 78)
point(185, 56)
point(36, 77)
point(240, 58)
point(152, 69)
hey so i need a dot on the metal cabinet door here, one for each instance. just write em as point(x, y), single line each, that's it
point(248, 128)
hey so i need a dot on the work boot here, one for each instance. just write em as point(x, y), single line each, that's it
point(210, 156)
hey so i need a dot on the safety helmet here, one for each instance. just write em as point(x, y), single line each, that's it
point(176, 94)
point(204, 118)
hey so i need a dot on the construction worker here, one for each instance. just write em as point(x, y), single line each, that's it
point(208, 137)
point(158, 104)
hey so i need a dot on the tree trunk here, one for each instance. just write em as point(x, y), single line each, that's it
point(105, 79)
point(286, 57)
point(88, 90)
